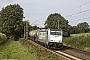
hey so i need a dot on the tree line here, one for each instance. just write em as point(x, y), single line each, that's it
point(80, 28)
point(53, 20)
point(12, 24)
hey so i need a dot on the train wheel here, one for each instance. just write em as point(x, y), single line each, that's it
point(45, 45)
point(37, 42)
point(61, 47)
point(49, 46)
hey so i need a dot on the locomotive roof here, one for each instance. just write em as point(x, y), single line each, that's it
point(43, 29)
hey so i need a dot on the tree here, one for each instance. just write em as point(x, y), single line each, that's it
point(0, 25)
point(11, 17)
point(34, 27)
point(52, 22)
point(74, 30)
point(30, 28)
point(83, 27)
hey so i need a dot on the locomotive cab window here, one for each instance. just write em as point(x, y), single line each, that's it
point(55, 33)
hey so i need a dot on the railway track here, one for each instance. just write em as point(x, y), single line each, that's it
point(68, 53)
point(67, 56)
point(84, 55)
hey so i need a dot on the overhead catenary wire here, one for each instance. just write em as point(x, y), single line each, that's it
point(80, 19)
point(77, 13)
point(77, 7)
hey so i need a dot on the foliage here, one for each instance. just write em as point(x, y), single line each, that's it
point(22, 40)
point(34, 27)
point(3, 38)
point(0, 25)
point(81, 41)
point(82, 27)
point(30, 28)
point(11, 17)
point(74, 30)
point(52, 22)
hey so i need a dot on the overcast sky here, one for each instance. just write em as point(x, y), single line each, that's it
point(40, 9)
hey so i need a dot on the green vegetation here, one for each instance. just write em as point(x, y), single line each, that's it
point(14, 50)
point(80, 28)
point(11, 21)
point(38, 52)
point(56, 19)
point(81, 41)
point(83, 27)
point(12, 25)
point(26, 51)
point(53, 20)
point(81, 34)
point(3, 38)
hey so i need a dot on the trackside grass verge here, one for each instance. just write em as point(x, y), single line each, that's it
point(78, 41)
point(39, 52)
point(13, 50)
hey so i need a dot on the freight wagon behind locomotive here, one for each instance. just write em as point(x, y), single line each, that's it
point(50, 37)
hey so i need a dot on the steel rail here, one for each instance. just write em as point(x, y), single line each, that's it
point(61, 54)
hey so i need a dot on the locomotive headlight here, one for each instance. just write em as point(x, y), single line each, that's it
point(59, 41)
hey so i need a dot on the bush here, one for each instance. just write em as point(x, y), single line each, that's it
point(22, 40)
point(11, 38)
point(66, 34)
point(3, 38)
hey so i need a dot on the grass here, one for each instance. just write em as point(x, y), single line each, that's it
point(80, 34)
point(39, 52)
point(15, 51)
point(81, 41)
